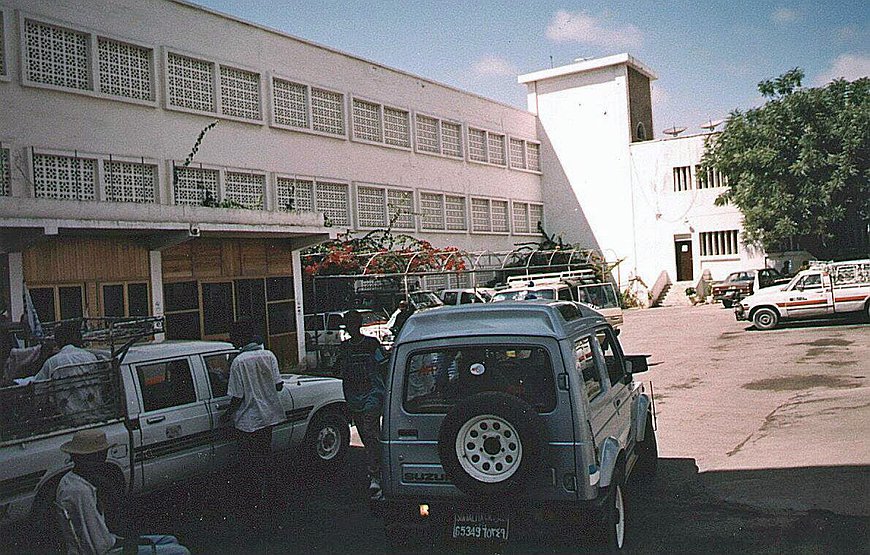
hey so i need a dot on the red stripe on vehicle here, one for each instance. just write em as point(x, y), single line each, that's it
point(801, 303)
point(847, 299)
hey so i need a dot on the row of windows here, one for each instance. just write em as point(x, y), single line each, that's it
point(61, 302)
point(60, 57)
point(76, 177)
point(718, 243)
point(704, 179)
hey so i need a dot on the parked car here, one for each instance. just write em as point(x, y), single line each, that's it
point(160, 409)
point(742, 284)
point(324, 332)
point(824, 290)
point(465, 296)
point(501, 418)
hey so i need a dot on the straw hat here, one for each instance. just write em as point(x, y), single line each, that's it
point(86, 442)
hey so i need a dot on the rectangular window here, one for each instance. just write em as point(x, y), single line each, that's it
point(64, 177)
point(370, 207)
point(480, 215)
point(295, 194)
point(125, 70)
point(138, 300)
point(477, 145)
point(400, 204)
point(246, 189)
point(217, 308)
point(181, 300)
point(451, 139)
point(125, 299)
point(518, 153)
point(454, 209)
point(432, 208)
point(533, 156)
point(218, 367)
point(56, 56)
point(61, 302)
point(240, 93)
point(521, 217)
point(71, 303)
point(43, 303)
point(5, 173)
point(584, 363)
point(195, 186)
point(682, 178)
point(536, 216)
point(327, 111)
point(496, 149)
point(500, 217)
point(709, 179)
point(291, 103)
point(331, 199)
point(113, 300)
point(166, 384)
point(397, 127)
point(719, 243)
point(191, 83)
point(3, 70)
point(367, 121)
point(427, 134)
point(129, 181)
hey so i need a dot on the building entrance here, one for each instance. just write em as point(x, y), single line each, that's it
point(683, 250)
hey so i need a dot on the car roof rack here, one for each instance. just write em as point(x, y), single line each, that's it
point(118, 334)
point(550, 278)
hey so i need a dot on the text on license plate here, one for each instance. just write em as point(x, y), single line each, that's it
point(480, 526)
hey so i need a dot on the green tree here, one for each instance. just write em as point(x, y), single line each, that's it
point(797, 167)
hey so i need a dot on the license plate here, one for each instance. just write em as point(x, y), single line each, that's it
point(480, 526)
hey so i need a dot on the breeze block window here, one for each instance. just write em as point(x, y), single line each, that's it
point(247, 189)
point(191, 83)
point(5, 173)
point(295, 194)
point(376, 206)
point(125, 70)
point(533, 155)
point(496, 149)
point(367, 121)
point(521, 217)
point(194, 185)
point(64, 177)
point(477, 147)
point(290, 103)
point(332, 200)
point(240, 93)
point(56, 56)
point(518, 153)
point(432, 209)
point(428, 135)
point(129, 181)
point(455, 213)
point(327, 111)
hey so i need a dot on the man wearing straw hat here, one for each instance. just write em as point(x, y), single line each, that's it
point(86, 532)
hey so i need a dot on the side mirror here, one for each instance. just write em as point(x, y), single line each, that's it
point(617, 331)
point(635, 364)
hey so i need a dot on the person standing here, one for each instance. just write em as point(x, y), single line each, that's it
point(74, 400)
point(361, 358)
point(405, 312)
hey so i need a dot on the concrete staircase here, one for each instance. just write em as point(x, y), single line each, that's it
point(675, 295)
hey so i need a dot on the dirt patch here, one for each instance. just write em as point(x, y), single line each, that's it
point(688, 384)
point(801, 382)
point(825, 342)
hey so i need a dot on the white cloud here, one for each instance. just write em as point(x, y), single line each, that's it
point(784, 15)
point(586, 29)
point(847, 66)
point(494, 66)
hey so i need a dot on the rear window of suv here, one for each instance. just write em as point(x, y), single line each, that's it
point(437, 379)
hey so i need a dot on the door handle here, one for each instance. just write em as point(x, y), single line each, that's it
point(155, 419)
point(617, 402)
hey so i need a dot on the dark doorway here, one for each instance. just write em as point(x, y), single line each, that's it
point(683, 250)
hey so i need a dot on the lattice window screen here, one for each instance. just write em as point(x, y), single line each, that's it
point(536, 216)
point(332, 201)
point(129, 181)
point(190, 83)
point(533, 156)
point(454, 209)
point(240, 93)
point(327, 111)
point(496, 149)
point(370, 207)
point(432, 207)
point(246, 188)
point(193, 185)
point(367, 121)
point(518, 153)
point(291, 103)
point(403, 202)
point(500, 217)
point(451, 139)
point(480, 216)
point(64, 177)
point(3, 70)
point(56, 56)
point(125, 70)
point(521, 217)
point(427, 134)
point(476, 144)
point(300, 192)
point(5, 171)
point(397, 127)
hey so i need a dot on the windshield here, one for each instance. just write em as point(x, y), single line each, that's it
point(425, 299)
point(524, 294)
point(436, 379)
point(598, 295)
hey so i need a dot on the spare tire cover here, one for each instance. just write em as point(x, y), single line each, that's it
point(490, 443)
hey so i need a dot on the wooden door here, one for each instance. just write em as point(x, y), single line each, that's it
point(683, 250)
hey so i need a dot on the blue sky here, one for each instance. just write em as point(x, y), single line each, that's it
point(708, 56)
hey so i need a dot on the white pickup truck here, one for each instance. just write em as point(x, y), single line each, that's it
point(161, 404)
point(824, 290)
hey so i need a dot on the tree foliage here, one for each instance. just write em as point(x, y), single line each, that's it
point(797, 167)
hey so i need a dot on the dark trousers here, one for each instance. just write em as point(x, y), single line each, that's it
point(255, 458)
point(368, 425)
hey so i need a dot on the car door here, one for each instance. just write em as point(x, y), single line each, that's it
point(810, 297)
point(225, 445)
point(175, 423)
point(594, 385)
point(619, 391)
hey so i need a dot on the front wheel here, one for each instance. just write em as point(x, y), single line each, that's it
point(327, 441)
point(765, 319)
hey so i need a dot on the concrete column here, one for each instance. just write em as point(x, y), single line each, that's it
point(16, 285)
point(155, 263)
point(296, 255)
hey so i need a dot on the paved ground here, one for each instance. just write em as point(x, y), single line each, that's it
point(763, 437)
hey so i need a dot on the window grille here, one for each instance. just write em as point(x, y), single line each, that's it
point(500, 216)
point(521, 217)
point(2, 46)
point(125, 70)
point(327, 111)
point(682, 178)
point(332, 201)
point(480, 215)
point(370, 207)
point(367, 121)
point(718, 243)
point(191, 83)
point(56, 56)
point(536, 216)
point(518, 154)
point(5, 172)
point(427, 134)
point(397, 127)
point(496, 149)
point(64, 177)
point(246, 188)
point(291, 103)
point(709, 179)
point(454, 209)
point(294, 194)
point(240, 93)
point(403, 203)
point(432, 207)
point(451, 139)
point(533, 156)
point(129, 181)
point(194, 185)
point(476, 144)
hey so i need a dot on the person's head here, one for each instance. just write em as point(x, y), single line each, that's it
point(352, 322)
point(404, 306)
point(68, 333)
point(242, 332)
point(87, 449)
